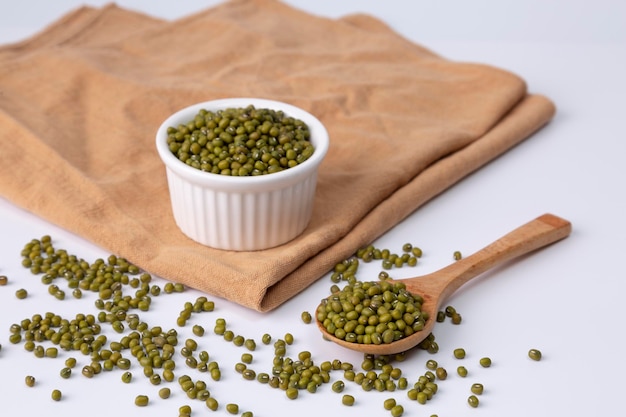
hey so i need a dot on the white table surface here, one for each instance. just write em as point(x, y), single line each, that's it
point(565, 300)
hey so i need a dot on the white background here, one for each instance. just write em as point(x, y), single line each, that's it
point(565, 300)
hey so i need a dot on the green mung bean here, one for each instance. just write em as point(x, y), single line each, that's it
point(142, 400)
point(534, 354)
point(30, 381)
point(52, 352)
point(232, 408)
point(198, 330)
point(250, 344)
point(422, 397)
point(212, 404)
point(56, 395)
point(389, 403)
point(249, 374)
point(21, 293)
point(397, 411)
point(66, 372)
point(473, 401)
point(485, 362)
point(347, 400)
point(88, 371)
point(461, 371)
point(165, 393)
point(338, 386)
point(292, 393)
point(459, 353)
point(477, 388)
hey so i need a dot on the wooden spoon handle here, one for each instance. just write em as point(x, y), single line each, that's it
point(542, 231)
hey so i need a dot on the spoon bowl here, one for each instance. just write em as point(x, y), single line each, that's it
point(435, 288)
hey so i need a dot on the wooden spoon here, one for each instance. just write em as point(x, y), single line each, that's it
point(435, 288)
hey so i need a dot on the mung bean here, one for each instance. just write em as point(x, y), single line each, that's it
point(389, 403)
point(338, 386)
point(306, 317)
point(397, 411)
point(142, 400)
point(56, 395)
point(485, 362)
point(212, 404)
point(292, 393)
point(198, 330)
point(347, 400)
point(477, 388)
point(534, 354)
point(473, 401)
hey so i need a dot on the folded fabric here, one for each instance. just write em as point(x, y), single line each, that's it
point(80, 104)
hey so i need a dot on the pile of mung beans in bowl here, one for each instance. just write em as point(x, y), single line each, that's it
point(242, 172)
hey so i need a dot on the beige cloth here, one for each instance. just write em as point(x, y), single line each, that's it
point(80, 104)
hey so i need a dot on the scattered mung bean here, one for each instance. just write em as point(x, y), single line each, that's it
point(397, 411)
point(347, 400)
point(142, 400)
point(534, 354)
point(56, 395)
point(212, 404)
point(389, 403)
point(459, 353)
point(477, 388)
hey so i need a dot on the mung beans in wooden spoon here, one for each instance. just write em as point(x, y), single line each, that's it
point(437, 287)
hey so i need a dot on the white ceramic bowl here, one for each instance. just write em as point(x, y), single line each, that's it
point(242, 213)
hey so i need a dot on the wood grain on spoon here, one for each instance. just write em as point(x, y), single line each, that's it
point(437, 287)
